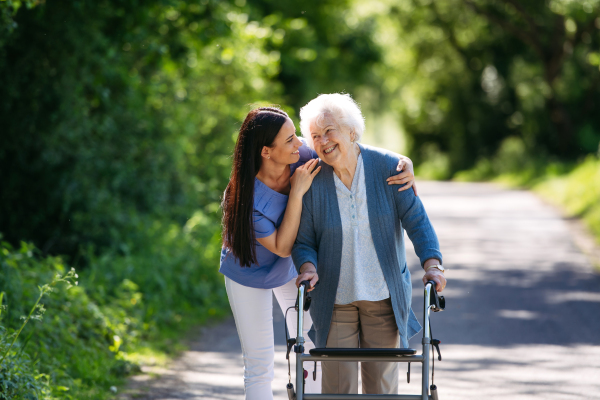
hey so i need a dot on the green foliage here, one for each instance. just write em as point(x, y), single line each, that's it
point(20, 380)
point(70, 345)
point(119, 119)
point(512, 164)
point(167, 280)
point(578, 192)
point(325, 46)
point(82, 345)
point(8, 9)
point(114, 111)
point(465, 75)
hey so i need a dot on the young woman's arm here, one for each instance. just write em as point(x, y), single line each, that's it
point(406, 176)
point(281, 241)
point(405, 167)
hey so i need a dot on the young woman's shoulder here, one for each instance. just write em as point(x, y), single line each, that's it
point(381, 158)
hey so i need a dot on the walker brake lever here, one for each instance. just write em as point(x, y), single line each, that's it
point(436, 344)
point(307, 302)
point(290, 343)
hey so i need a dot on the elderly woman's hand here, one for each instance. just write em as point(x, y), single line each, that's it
point(308, 272)
point(408, 176)
point(437, 276)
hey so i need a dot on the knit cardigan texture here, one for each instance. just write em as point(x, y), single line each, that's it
point(319, 240)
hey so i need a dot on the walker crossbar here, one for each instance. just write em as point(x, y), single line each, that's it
point(363, 396)
point(431, 302)
point(306, 358)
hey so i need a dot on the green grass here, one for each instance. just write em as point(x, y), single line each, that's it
point(577, 192)
point(575, 187)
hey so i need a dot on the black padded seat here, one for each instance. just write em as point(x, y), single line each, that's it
point(361, 352)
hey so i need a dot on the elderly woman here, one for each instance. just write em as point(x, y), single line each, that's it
point(351, 238)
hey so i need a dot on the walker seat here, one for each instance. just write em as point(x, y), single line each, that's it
point(332, 351)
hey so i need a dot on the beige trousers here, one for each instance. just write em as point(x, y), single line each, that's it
point(365, 324)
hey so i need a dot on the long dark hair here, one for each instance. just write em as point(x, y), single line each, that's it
point(259, 129)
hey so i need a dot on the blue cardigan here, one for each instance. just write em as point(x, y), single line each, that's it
point(319, 240)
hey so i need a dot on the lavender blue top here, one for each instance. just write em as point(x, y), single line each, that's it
point(270, 271)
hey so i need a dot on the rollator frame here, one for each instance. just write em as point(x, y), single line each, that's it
point(431, 302)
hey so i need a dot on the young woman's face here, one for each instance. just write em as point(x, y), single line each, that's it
point(329, 141)
point(286, 144)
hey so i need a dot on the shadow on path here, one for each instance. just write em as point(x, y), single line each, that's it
point(521, 320)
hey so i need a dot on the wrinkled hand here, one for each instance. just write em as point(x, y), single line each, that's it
point(407, 176)
point(303, 177)
point(308, 272)
point(437, 276)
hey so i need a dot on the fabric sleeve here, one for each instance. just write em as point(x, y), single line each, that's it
point(305, 247)
point(414, 219)
point(263, 226)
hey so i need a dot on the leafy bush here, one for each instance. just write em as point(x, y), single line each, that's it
point(166, 282)
point(70, 346)
point(19, 379)
point(167, 279)
point(578, 192)
point(128, 111)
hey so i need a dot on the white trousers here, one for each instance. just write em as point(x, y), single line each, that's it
point(253, 313)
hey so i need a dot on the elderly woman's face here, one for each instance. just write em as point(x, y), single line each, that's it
point(331, 142)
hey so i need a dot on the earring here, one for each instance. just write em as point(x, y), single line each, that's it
point(268, 157)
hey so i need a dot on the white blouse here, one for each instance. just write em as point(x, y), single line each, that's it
point(361, 277)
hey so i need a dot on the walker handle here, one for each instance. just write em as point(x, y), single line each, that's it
point(438, 302)
point(307, 298)
point(306, 284)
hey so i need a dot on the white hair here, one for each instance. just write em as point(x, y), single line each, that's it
point(340, 106)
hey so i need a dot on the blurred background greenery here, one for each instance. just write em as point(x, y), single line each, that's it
point(118, 119)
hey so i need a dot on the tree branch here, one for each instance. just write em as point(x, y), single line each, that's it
point(532, 25)
point(525, 36)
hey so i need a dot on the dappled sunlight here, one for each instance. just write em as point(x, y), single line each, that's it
point(555, 298)
point(517, 325)
point(514, 274)
point(518, 372)
point(517, 314)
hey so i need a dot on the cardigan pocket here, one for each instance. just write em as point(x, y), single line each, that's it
point(404, 269)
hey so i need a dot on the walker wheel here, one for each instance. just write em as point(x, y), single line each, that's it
point(305, 374)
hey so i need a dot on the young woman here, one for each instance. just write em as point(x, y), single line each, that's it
point(262, 205)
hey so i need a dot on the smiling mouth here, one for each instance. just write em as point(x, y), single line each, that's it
point(296, 152)
point(329, 150)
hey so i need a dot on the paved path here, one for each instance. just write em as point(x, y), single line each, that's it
point(522, 321)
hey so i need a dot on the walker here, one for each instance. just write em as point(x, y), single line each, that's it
point(432, 302)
